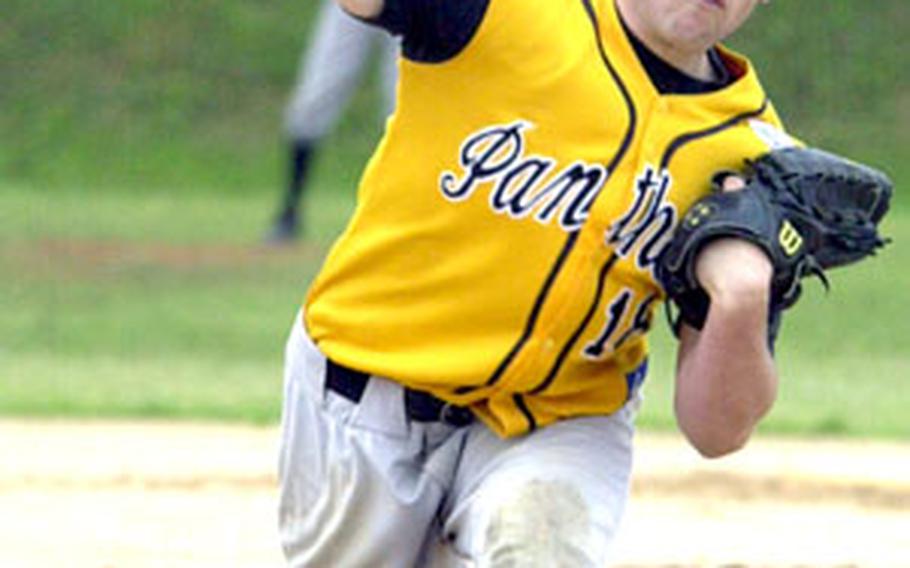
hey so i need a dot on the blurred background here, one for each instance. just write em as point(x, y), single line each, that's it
point(142, 157)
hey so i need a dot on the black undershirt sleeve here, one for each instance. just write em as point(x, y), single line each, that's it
point(432, 31)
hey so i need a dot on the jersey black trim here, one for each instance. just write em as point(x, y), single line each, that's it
point(532, 318)
point(573, 236)
point(630, 104)
point(592, 309)
point(684, 139)
point(535, 311)
point(605, 269)
point(522, 405)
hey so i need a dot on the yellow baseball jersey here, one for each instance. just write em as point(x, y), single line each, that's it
point(502, 250)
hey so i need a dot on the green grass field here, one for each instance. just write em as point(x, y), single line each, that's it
point(144, 95)
point(141, 156)
point(164, 306)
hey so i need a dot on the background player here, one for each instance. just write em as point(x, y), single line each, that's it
point(464, 380)
point(330, 69)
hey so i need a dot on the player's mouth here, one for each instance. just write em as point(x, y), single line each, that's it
point(719, 4)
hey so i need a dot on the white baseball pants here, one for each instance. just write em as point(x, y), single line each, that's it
point(363, 486)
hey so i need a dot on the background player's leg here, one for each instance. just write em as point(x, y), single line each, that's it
point(552, 498)
point(328, 73)
point(388, 69)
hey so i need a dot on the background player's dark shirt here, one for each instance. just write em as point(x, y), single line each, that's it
point(434, 31)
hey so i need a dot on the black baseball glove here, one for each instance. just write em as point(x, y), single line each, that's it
point(809, 210)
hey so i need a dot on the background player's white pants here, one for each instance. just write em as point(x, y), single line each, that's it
point(330, 70)
point(362, 486)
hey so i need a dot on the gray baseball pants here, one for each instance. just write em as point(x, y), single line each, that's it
point(330, 71)
point(362, 485)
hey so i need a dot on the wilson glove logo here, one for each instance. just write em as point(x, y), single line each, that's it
point(789, 238)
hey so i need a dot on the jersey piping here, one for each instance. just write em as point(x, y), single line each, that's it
point(525, 411)
point(567, 348)
point(671, 150)
point(532, 319)
point(688, 137)
point(570, 242)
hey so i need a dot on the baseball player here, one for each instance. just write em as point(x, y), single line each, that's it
point(329, 72)
point(462, 380)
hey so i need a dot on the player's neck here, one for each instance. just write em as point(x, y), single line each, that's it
point(691, 59)
point(696, 65)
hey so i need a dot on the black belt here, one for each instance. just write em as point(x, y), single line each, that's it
point(420, 406)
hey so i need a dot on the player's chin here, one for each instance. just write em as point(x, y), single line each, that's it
point(698, 29)
point(697, 36)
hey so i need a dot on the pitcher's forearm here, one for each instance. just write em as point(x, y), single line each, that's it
point(726, 378)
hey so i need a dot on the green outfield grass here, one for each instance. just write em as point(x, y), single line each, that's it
point(147, 95)
point(165, 306)
point(156, 305)
point(141, 155)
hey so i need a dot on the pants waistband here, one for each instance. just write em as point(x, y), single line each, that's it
point(419, 406)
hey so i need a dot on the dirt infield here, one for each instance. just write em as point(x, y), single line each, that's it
point(128, 495)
